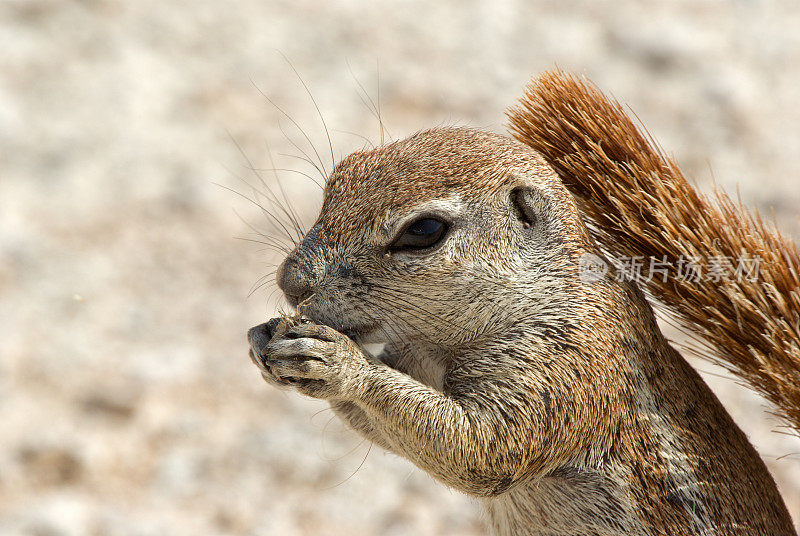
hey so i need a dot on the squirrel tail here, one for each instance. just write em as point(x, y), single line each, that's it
point(739, 292)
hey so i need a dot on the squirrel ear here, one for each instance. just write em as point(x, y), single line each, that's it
point(529, 205)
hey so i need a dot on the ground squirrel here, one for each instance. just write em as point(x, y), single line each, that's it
point(505, 372)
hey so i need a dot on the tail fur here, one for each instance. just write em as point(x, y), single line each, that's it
point(637, 203)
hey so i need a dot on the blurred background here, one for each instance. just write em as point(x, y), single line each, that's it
point(128, 404)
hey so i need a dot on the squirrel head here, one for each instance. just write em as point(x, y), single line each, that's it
point(438, 239)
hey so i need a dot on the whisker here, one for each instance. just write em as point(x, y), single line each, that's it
point(378, 106)
point(297, 126)
point(270, 246)
point(271, 294)
point(314, 102)
point(281, 223)
point(270, 195)
point(293, 214)
point(275, 200)
point(426, 314)
point(306, 158)
point(289, 170)
point(266, 281)
point(283, 247)
point(371, 106)
point(360, 465)
point(263, 209)
point(366, 139)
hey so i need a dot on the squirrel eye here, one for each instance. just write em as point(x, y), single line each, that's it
point(421, 234)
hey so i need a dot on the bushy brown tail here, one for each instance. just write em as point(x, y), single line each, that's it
point(638, 204)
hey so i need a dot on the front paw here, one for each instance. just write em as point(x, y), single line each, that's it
point(315, 359)
point(259, 338)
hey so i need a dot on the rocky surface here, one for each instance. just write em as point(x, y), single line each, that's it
point(127, 401)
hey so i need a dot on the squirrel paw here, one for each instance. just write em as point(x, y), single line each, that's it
point(315, 359)
point(259, 337)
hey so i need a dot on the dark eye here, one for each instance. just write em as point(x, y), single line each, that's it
point(421, 234)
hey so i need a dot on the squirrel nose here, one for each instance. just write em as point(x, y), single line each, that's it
point(292, 280)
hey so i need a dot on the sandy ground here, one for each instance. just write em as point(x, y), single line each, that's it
point(127, 402)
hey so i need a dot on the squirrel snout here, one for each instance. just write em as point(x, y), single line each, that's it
point(295, 284)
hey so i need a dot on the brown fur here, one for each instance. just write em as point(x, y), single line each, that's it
point(505, 374)
point(639, 203)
